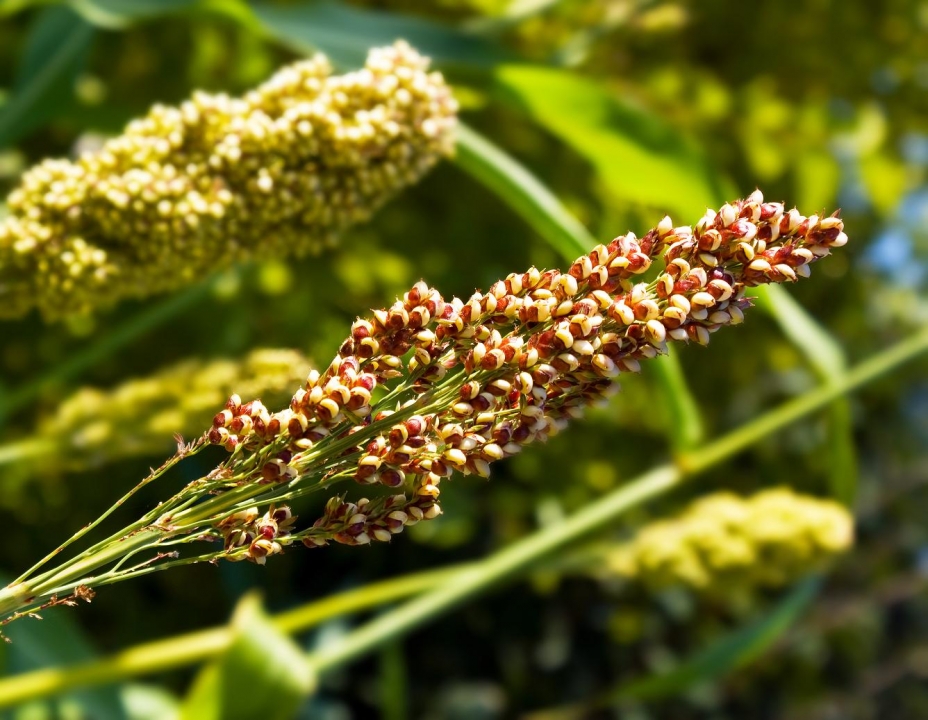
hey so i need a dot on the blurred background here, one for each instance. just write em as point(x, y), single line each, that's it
point(626, 110)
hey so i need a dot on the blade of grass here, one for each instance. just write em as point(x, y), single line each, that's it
point(515, 184)
point(829, 362)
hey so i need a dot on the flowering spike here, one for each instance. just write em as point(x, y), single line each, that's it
point(188, 190)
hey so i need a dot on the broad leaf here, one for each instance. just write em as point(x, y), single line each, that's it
point(638, 157)
point(263, 674)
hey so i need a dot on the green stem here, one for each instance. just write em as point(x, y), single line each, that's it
point(685, 425)
point(492, 570)
point(77, 572)
point(155, 474)
point(827, 359)
point(603, 511)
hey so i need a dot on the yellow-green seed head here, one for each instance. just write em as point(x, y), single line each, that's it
point(188, 190)
point(139, 417)
point(725, 542)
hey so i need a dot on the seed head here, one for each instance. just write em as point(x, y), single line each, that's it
point(189, 190)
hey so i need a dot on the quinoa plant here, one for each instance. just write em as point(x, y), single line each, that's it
point(429, 387)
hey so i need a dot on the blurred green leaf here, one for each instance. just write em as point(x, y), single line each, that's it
point(53, 641)
point(393, 683)
point(886, 180)
point(828, 361)
point(728, 652)
point(346, 34)
point(54, 56)
point(684, 423)
point(639, 157)
point(731, 651)
point(262, 674)
point(149, 702)
point(817, 178)
point(119, 13)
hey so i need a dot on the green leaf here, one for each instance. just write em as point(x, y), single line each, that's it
point(638, 157)
point(121, 13)
point(149, 702)
point(393, 683)
point(54, 56)
point(346, 33)
point(262, 674)
point(731, 651)
point(57, 640)
point(728, 653)
point(818, 176)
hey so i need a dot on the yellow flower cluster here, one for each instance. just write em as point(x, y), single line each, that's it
point(725, 542)
point(140, 416)
point(191, 189)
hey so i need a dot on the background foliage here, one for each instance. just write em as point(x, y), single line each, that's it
point(624, 109)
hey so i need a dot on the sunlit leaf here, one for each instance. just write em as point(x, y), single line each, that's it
point(817, 178)
point(886, 180)
point(639, 158)
point(54, 56)
point(263, 674)
point(149, 702)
